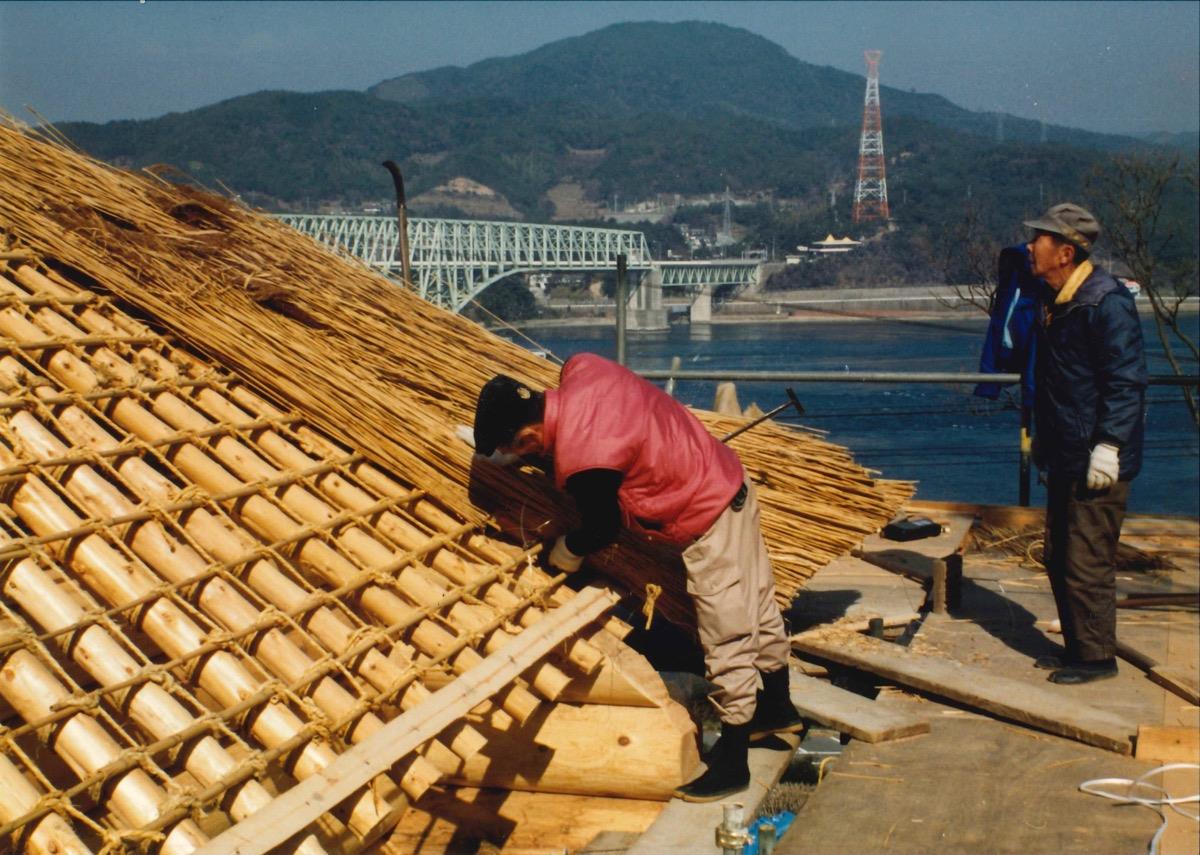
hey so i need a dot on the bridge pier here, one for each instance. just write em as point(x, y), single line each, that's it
point(700, 312)
point(647, 311)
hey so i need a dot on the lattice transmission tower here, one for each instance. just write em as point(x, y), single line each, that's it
point(870, 191)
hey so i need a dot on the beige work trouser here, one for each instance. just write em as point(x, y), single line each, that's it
point(741, 630)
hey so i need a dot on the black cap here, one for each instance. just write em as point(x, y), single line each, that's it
point(505, 406)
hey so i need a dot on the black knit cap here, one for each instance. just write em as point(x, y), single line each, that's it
point(505, 406)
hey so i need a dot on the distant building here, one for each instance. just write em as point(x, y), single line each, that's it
point(832, 244)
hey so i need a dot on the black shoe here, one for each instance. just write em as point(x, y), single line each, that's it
point(728, 771)
point(1048, 663)
point(774, 712)
point(1084, 672)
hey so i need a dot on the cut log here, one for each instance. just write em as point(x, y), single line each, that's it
point(460, 819)
point(302, 804)
point(1054, 711)
point(631, 752)
point(50, 835)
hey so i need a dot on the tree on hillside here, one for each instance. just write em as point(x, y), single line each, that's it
point(1134, 192)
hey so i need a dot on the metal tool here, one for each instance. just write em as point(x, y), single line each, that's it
point(402, 216)
point(793, 402)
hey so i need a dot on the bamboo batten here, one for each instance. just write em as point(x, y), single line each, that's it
point(379, 368)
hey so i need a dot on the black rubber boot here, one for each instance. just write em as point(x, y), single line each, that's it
point(1084, 672)
point(727, 773)
point(774, 712)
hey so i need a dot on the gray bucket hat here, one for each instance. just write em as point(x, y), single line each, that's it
point(1070, 221)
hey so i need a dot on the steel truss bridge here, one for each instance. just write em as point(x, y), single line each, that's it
point(452, 261)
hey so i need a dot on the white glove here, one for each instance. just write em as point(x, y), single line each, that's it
point(498, 459)
point(563, 559)
point(1103, 467)
point(466, 434)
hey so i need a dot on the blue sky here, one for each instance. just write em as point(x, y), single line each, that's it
point(1108, 66)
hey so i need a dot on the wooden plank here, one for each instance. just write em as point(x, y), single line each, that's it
point(1051, 709)
point(687, 828)
point(1175, 679)
point(850, 713)
point(303, 803)
point(1168, 744)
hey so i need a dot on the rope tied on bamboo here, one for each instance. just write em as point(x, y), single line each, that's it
point(652, 593)
point(115, 841)
point(322, 728)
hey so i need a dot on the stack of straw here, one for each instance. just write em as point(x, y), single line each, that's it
point(375, 365)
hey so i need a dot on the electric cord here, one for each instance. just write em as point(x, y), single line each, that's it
point(1155, 803)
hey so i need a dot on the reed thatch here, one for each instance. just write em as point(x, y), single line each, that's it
point(374, 365)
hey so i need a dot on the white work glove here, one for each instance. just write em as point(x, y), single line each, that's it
point(563, 559)
point(1103, 467)
point(467, 435)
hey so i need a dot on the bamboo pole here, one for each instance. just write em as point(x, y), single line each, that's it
point(259, 514)
point(147, 704)
point(50, 835)
point(86, 747)
point(176, 561)
point(403, 533)
point(119, 580)
point(295, 808)
point(335, 630)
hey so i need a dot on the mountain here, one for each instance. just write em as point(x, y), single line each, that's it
point(633, 111)
point(694, 69)
point(1188, 141)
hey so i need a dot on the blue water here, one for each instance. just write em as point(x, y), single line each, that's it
point(957, 446)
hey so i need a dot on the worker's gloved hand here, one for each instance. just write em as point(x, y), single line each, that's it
point(1103, 467)
point(499, 459)
point(563, 559)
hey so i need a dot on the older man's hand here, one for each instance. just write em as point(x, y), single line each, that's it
point(1103, 467)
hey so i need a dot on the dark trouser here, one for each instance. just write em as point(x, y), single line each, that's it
point(1082, 528)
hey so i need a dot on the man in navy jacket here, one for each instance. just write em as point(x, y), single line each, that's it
point(1089, 415)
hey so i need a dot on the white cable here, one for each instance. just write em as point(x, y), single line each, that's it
point(1093, 787)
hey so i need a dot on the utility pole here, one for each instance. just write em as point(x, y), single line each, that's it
point(870, 192)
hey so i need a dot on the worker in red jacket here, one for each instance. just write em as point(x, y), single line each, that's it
point(629, 454)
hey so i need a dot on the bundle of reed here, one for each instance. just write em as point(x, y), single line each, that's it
point(374, 365)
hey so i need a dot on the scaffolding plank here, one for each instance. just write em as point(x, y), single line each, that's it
point(853, 714)
point(1050, 709)
point(302, 804)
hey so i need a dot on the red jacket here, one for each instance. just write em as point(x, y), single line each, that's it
point(678, 478)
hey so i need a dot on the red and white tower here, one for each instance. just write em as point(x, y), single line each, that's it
point(870, 192)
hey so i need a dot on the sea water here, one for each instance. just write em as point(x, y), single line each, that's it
point(957, 446)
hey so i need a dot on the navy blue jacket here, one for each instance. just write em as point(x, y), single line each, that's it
point(1009, 347)
point(1091, 378)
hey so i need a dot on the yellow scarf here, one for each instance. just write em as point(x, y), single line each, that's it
point(1067, 291)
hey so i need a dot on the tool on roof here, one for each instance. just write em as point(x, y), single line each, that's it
point(793, 402)
point(402, 217)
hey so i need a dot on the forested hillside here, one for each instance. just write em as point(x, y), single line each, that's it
point(633, 111)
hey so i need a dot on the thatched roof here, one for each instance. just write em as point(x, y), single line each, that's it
point(233, 496)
